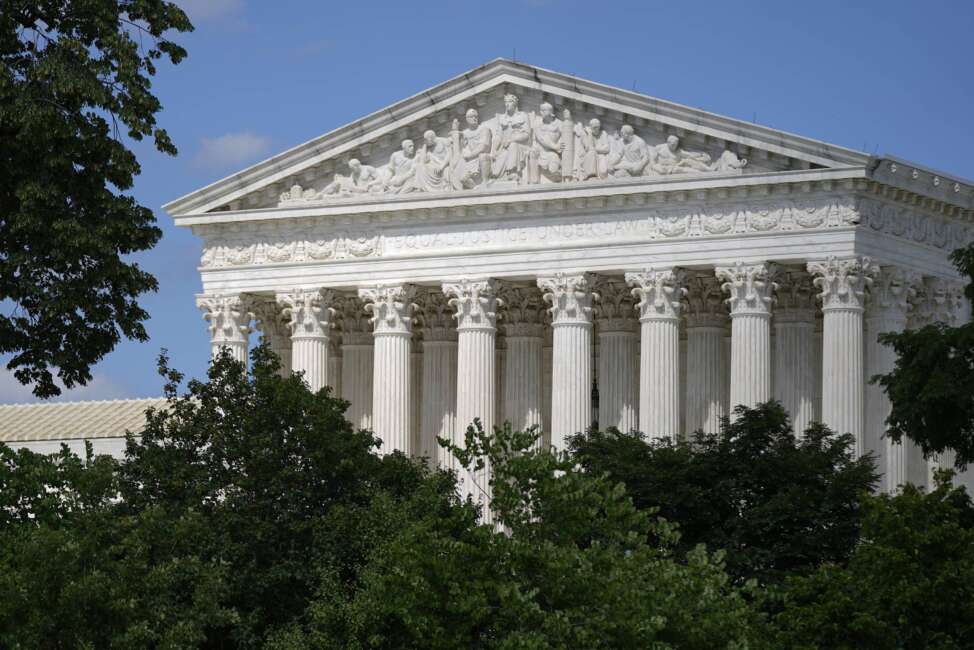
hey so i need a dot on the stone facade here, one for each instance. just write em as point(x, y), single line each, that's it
point(522, 245)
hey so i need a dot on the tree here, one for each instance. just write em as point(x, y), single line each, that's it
point(571, 566)
point(908, 584)
point(75, 77)
point(931, 387)
point(776, 505)
point(214, 529)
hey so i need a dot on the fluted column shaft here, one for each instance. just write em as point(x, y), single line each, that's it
point(795, 366)
point(751, 294)
point(358, 359)
point(418, 442)
point(439, 416)
point(334, 367)
point(887, 311)
point(570, 297)
point(475, 302)
point(618, 378)
point(522, 382)
point(660, 293)
point(706, 375)
point(228, 320)
point(391, 307)
point(309, 315)
point(843, 284)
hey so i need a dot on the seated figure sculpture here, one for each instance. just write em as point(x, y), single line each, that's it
point(511, 146)
point(433, 164)
point(402, 169)
point(472, 164)
point(728, 162)
point(544, 160)
point(362, 179)
point(670, 158)
point(631, 156)
point(594, 147)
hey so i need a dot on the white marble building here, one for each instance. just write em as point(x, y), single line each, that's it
point(519, 244)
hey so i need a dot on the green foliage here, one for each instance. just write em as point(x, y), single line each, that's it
point(74, 79)
point(931, 387)
point(570, 566)
point(910, 583)
point(214, 530)
point(776, 505)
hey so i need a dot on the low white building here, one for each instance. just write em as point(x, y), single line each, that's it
point(519, 244)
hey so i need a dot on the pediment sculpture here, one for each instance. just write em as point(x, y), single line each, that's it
point(516, 148)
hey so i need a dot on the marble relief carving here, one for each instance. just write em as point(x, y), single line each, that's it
point(285, 243)
point(512, 148)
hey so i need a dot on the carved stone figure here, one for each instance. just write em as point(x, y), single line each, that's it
point(545, 158)
point(594, 147)
point(361, 179)
point(632, 155)
point(510, 148)
point(472, 159)
point(402, 169)
point(670, 158)
point(433, 164)
point(729, 162)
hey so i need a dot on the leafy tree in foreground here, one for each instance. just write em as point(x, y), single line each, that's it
point(931, 387)
point(909, 584)
point(74, 78)
point(216, 527)
point(574, 567)
point(774, 504)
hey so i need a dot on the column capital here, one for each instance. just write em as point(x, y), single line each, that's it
point(795, 297)
point(660, 292)
point(391, 307)
point(475, 302)
point(616, 309)
point(307, 312)
point(892, 293)
point(843, 283)
point(435, 316)
point(269, 319)
point(750, 286)
point(523, 311)
point(937, 300)
point(228, 317)
point(354, 324)
point(705, 305)
point(570, 295)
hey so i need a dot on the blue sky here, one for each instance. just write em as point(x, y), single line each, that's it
point(885, 77)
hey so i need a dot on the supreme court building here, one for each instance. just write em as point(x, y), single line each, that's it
point(516, 244)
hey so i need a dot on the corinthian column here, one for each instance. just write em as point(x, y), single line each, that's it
point(707, 373)
point(794, 373)
point(570, 297)
point(358, 357)
point(522, 368)
point(439, 408)
point(309, 316)
point(618, 370)
point(391, 307)
point(660, 293)
point(751, 289)
point(275, 332)
point(888, 309)
point(842, 284)
point(475, 302)
point(228, 319)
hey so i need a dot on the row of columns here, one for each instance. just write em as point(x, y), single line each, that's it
point(639, 372)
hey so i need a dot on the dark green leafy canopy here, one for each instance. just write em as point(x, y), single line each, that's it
point(74, 80)
point(931, 387)
point(909, 584)
point(775, 504)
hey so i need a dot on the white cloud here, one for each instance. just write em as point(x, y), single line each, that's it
point(209, 10)
point(100, 387)
point(232, 149)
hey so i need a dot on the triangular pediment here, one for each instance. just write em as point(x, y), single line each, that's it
point(547, 138)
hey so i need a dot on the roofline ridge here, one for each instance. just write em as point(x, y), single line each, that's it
point(88, 401)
